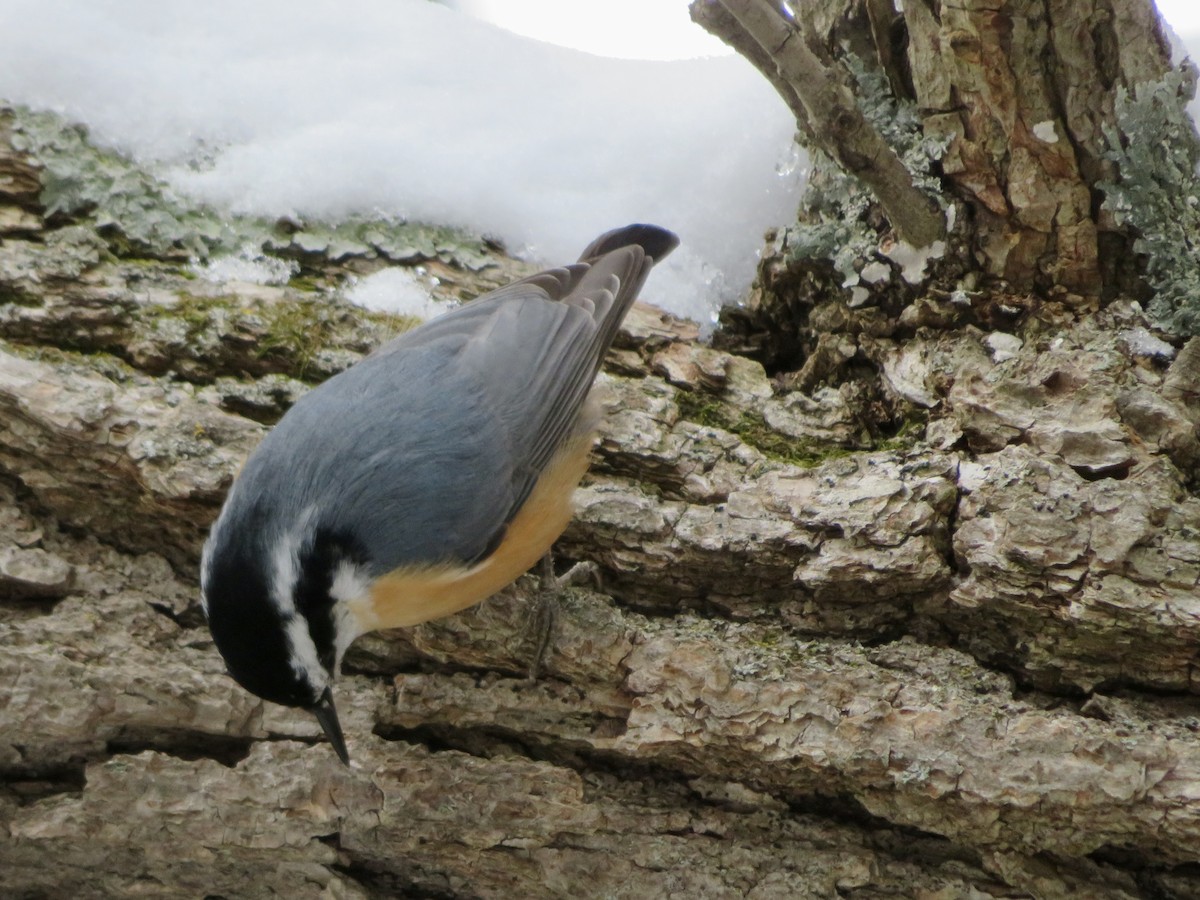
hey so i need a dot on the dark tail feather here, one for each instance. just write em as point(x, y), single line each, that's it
point(656, 242)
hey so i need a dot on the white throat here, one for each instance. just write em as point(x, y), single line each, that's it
point(351, 592)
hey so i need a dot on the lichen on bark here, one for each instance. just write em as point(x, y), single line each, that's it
point(1053, 135)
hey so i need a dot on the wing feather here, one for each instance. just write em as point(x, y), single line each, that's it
point(428, 448)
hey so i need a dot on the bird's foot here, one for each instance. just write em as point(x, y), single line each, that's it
point(545, 611)
point(578, 574)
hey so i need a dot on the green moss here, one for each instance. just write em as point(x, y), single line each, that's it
point(111, 367)
point(297, 331)
point(287, 332)
point(390, 324)
point(306, 283)
point(703, 409)
point(753, 429)
point(198, 311)
point(911, 429)
point(147, 263)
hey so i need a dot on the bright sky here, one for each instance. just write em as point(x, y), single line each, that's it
point(1183, 15)
point(664, 30)
point(630, 29)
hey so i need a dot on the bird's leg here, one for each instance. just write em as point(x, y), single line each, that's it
point(542, 620)
point(545, 610)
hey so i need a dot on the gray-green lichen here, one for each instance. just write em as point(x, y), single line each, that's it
point(1156, 149)
point(140, 215)
point(833, 222)
point(835, 213)
point(901, 126)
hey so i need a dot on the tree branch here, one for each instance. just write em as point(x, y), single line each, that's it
point(719, 22)
point(827, 112)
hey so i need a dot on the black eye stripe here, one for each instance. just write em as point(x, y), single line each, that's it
point(246, 627)
point(318, 564)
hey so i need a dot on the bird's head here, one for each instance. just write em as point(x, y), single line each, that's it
point(273, 618)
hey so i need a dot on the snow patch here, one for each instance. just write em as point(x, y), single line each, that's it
point(913, 260)
point(247, 269)
point(875, 272)
point(1046, 132)
point(1140, 342)
point(1002, 346)
point(400, 291)
point(971, 476)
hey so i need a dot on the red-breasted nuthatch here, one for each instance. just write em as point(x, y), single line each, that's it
point(419, 481)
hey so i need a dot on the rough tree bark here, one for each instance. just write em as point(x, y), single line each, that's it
point(917, 616)
point(828, 114)
point(1020, 98)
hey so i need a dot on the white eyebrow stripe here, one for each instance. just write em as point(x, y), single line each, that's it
point(284, 569)
point(347, 629)
point(285, 572)
point(303, 655)
point(205, 574)
point(284, 563)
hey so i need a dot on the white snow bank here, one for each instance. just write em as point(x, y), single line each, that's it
point(407, 107)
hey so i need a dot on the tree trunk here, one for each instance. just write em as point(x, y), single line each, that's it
point(917, 616)
point(1005, 116)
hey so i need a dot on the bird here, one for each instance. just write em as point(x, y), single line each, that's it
point(419, 481)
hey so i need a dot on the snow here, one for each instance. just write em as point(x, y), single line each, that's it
point(247, 269)
point(402, 291)
point(875, 272)
point(1183, 33)
point(1003, 346)
point(971, 476)
point(630, 29)
point(1184, 18)
point(1140, 342)
point(913, 260)
point(1046, 132)
point(407, 107)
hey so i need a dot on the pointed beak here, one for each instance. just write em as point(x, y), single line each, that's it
point(327, 715)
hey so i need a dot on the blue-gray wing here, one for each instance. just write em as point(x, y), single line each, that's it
point(423, 452)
